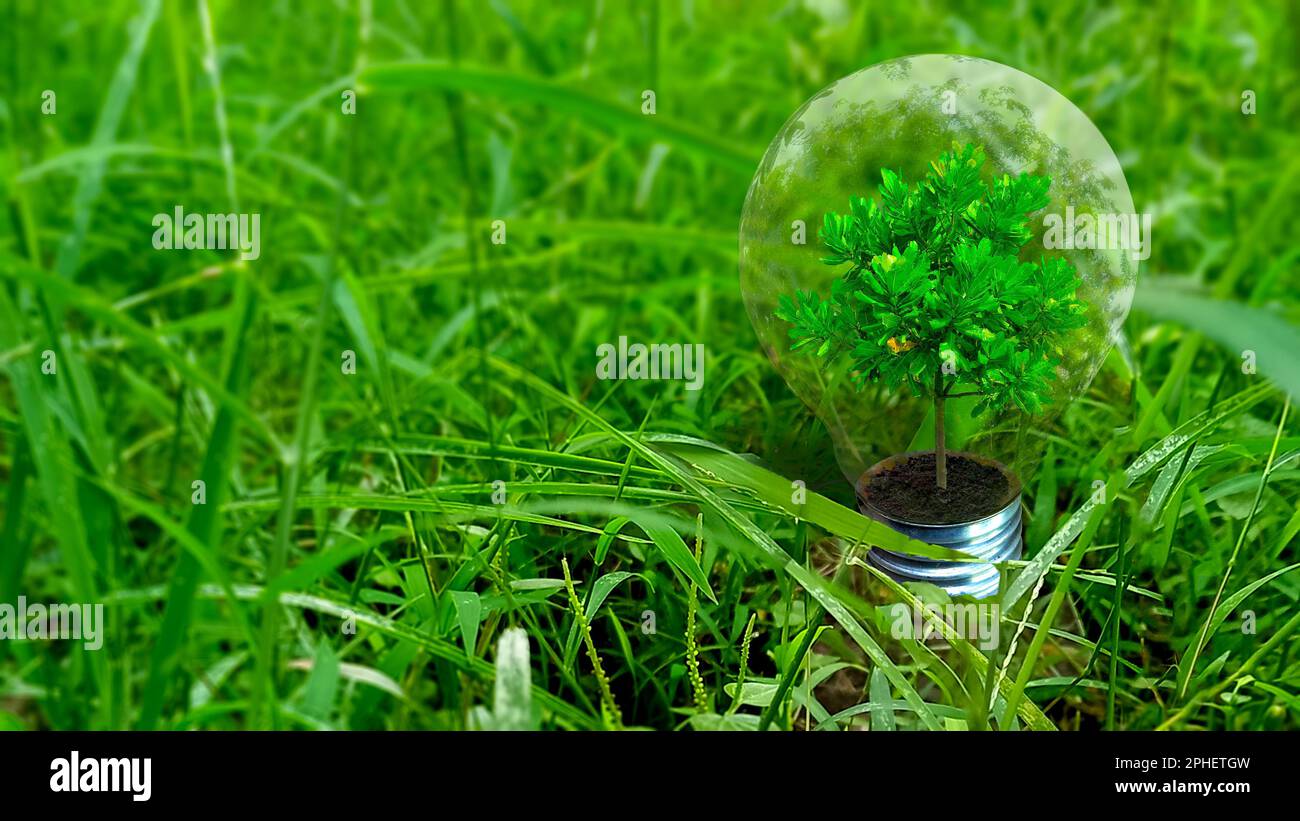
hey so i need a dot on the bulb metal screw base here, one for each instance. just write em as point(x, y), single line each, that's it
point(993, 538)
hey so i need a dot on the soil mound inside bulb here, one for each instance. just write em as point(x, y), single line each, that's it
point(907, 490)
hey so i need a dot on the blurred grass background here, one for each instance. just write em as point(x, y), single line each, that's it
point(349, 568)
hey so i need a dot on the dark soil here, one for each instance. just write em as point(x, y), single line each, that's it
point(908, 490)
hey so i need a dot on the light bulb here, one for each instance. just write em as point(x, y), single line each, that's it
point(901, 115)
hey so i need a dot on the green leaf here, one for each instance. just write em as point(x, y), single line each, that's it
point(678, 554)
point(731, 722)
point(322, 683)
point(1241, 329)
point(607, 535)
point(882, 714)
point(600, 591)
point(564, 101)
point(469, 609)
point(752, 693)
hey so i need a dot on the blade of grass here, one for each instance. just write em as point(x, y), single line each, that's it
point(438, 647)
point(775, 493)
point(1191, 430)
point(816, 586)
point(980, 664)
point(94, 307)
point(1189, 666)
point(1095, 516)
point(563, 101)
point(1235, 325)
point(204, 521)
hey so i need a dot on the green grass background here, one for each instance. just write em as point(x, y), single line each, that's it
point(350, 568)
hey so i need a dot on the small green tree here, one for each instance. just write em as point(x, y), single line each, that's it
point(935, 297)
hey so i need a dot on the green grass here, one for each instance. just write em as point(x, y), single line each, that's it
point(355, 564)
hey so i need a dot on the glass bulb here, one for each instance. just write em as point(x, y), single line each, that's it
point(901, 115)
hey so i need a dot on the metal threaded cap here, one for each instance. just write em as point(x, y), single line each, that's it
point(993, 538)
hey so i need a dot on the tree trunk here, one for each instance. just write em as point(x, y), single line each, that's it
point(940, 448)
